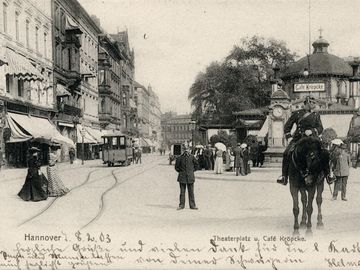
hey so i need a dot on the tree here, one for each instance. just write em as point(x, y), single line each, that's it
point(241, 81)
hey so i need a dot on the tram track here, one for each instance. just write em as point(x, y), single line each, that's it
point(117, 183)
point(52, 202)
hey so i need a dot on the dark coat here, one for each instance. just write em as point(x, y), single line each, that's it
point(238, 153)
point(185, 165)
point(303, 122)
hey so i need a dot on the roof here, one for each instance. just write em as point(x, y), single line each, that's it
point(257, 111)
point(320, 64)
point(280, 94)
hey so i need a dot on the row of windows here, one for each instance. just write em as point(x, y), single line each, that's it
point(176, 128)
point(88, 44)
point(18, 31)
point(178, 136)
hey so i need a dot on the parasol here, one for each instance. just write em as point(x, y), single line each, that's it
point(220, 146)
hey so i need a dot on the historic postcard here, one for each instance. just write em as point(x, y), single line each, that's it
point(179, 134)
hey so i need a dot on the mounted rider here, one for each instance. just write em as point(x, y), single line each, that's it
point(308, 123)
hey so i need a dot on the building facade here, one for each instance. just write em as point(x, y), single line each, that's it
point(75, 53)
point(142, 102)
point(154, 117)
point(110, 83)
point(26, 80)
point(175, 128)
point(128, 108)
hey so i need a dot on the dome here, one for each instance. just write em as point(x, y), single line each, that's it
point(280, 94)
point(320, 63)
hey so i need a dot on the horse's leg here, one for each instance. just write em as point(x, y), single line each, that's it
point(311, 193)
point(295, 195)
point(319, 191)
point(304, 204)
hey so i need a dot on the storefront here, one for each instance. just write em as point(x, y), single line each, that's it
point(27, 131)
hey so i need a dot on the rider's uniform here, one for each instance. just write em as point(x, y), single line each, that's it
point(304, 120)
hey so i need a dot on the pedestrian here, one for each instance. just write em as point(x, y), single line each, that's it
point(254, 154)
point(228, 159)
point(238, 158)
point(207, 157)
point(244, 166)
point(35, 187)
point(261, 157)
point(218, 162)
point(340, 164)
point(56, 187)
point(186, 165)
point(212, 158)
point(71, 155)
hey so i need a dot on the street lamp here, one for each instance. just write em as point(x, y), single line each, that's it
point(192, 126)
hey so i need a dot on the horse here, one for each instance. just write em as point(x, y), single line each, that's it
point(308, 168)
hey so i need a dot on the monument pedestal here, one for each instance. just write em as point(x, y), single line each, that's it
point(274, 156)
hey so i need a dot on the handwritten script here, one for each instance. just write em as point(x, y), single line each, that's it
point(81, 250)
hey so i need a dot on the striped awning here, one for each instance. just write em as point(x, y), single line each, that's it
point(40, 129)
point(21, 67)
point(61, 90)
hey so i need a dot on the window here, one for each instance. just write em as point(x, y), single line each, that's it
point(20, 88)
point(28, 33)
point(37, 38)
point(17, 25)
point(5, 17)
point(8, 79)
point(69, 58)
point(45, 44)
point(102, 107)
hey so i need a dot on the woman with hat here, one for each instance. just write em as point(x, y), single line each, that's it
point(56, 187)
point(218, 167)
point(36, 184)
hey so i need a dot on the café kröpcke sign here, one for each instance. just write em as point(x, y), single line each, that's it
point(309, 87)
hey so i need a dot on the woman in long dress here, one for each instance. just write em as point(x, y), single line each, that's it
point(219, 162)
point(36, 184)
point(56, 186)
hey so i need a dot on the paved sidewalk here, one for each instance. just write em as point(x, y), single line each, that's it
point(16, 173)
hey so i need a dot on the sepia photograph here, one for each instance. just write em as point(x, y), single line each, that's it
point(179, 134)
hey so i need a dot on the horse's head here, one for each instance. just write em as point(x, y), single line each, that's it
point(312, 160)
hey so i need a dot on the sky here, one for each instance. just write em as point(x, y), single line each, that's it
point(174, 40)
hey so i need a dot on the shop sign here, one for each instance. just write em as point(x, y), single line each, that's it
point(309, 87)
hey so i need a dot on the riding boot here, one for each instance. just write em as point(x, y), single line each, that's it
point(283, 179)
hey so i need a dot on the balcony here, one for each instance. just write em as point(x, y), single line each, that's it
point(104, 89)
point(69, 109)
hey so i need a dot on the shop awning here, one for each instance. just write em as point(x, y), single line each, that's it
point(264, 129)
point(82, 132)
point(17, 135)
point(61, 91)
point(95, 133)
point(39, 128)
point(21, 67)
point(143, 142)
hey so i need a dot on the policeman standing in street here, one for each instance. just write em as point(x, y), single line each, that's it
point(308, 123)
point(185, 165)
